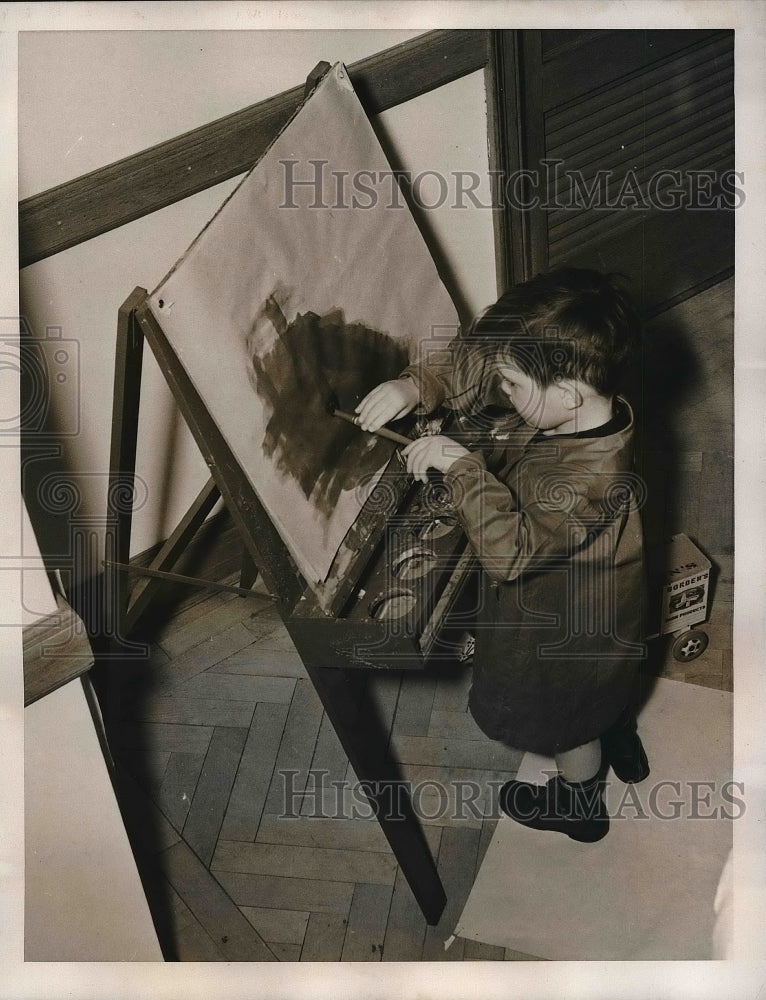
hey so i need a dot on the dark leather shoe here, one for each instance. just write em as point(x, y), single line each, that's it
point(576, 809)
point(622, 748)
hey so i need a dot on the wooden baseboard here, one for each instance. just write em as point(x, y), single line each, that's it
point(56, 650)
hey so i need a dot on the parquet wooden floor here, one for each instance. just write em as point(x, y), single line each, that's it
point(252, 840)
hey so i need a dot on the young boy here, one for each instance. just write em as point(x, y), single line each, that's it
point(550, 508)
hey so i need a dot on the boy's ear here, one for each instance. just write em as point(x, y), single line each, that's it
point(571, 394)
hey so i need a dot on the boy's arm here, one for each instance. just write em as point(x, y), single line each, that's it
point(455, 374)
point(452, 374)
point(433, 385)
point(420, 386)
point(509, 540)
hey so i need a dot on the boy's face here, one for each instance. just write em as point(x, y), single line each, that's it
point(541, 407)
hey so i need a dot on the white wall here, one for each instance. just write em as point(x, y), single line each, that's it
point(89, 98)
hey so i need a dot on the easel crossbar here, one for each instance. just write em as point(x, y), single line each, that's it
point(192, 581)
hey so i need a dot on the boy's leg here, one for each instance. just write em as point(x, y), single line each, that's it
point(580, 764)
point(623, 749)
point(571, 803)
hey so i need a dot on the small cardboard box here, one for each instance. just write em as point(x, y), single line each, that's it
point(685, 584)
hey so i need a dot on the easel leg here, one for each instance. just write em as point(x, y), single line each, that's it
point(145, 589)
point(343, 695)
point(249, 572)
point(122, 469)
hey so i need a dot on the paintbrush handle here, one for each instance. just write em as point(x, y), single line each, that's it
point(383, 432)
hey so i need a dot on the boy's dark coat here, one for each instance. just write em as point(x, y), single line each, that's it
point(557, 529)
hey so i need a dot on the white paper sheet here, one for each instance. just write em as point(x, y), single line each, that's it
point(344, 272)
point(646, 891)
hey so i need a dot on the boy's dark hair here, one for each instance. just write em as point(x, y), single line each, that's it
point(572, 323)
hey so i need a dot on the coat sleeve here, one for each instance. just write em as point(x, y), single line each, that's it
point(510, 539)
point(457, 375)
point(433, 386)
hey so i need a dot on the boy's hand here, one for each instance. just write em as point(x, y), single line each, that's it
point(432, 452)
point(387, 401)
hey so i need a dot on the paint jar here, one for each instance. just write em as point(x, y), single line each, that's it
point(393, 605)
point(413, 563)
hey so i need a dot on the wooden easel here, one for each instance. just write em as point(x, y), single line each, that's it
point(341, 687)
point(339, 638)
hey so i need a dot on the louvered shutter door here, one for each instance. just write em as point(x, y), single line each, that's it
point(616, 108)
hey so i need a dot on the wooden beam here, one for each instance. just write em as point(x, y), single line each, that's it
point(516, 147)
point(504, 124)
point(532, 140)
point(97, 202)
point(56, 650)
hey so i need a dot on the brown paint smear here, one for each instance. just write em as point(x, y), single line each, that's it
point(317, 361)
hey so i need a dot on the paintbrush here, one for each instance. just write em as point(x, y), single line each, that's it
point(383, 432)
